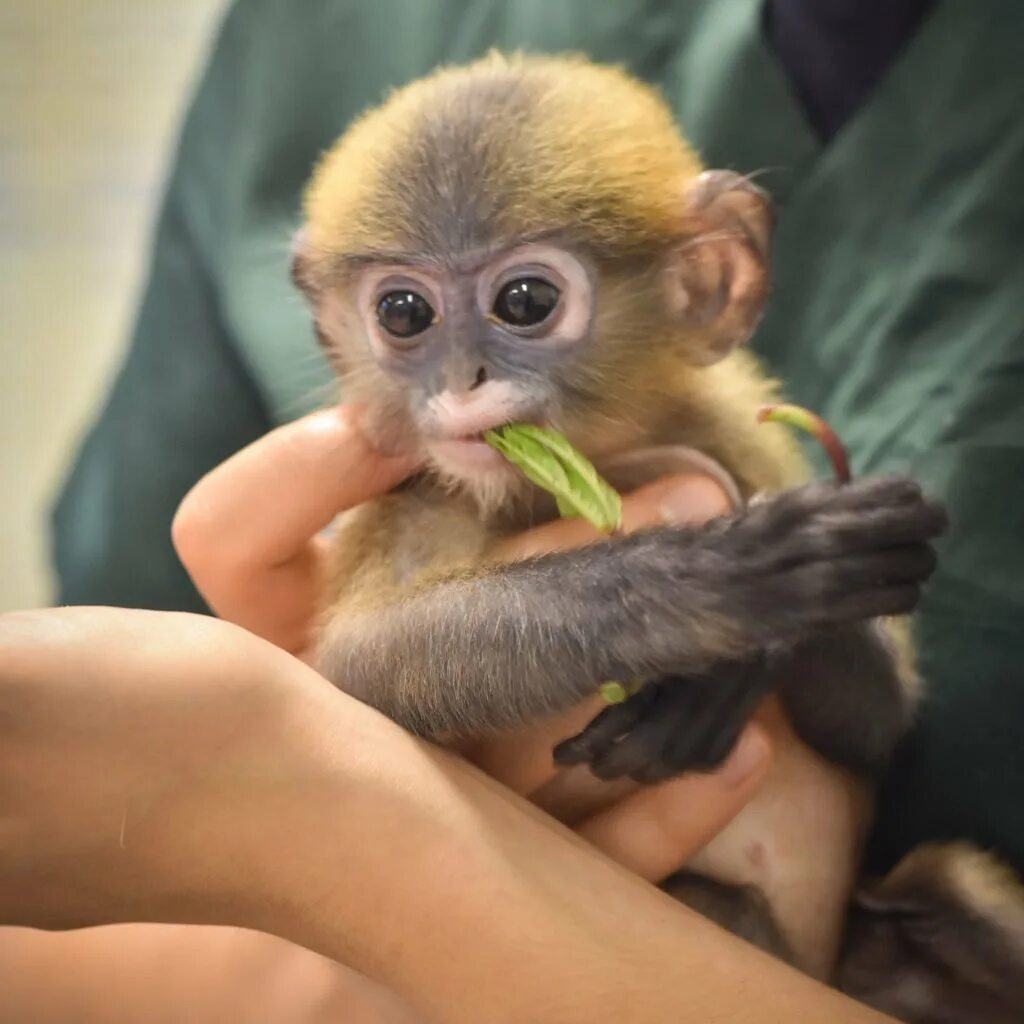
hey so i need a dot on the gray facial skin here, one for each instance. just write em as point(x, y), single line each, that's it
point(466, 333)
point(485, 358)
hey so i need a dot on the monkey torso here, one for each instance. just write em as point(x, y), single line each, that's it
point(492, 246)
point(705, 421)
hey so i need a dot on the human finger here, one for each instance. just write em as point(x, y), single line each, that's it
point(655, 830)
point(247, 532)
point(679, 499)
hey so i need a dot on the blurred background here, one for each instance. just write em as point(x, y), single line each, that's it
point(91, 93)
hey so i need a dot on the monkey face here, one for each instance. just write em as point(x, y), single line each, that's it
point(491, 245)
point(457, 348)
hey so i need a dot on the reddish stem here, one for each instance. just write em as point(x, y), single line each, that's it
point(804, 419)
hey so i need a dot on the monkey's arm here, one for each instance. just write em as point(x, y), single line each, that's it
point(499, 645)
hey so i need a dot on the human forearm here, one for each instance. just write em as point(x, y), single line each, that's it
point(173, 768)
point(475, 907)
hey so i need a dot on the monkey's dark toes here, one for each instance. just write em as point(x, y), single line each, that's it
point(612, 723)
point(624, 723)
point(674, 724)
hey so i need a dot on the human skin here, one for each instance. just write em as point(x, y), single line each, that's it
point(228, 816)
point(212, 795)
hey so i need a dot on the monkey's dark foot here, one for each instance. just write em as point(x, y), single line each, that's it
point(672, 725)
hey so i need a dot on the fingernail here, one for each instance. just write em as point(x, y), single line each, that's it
point(694, 500)
point(748, 757)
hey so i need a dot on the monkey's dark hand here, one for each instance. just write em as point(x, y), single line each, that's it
point(678, 723)
point(818, 555)
point(672, 725)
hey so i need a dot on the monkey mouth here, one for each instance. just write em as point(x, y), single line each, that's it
point(467, 456)
point(459, 448)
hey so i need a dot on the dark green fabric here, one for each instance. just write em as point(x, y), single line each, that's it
point(897, 312)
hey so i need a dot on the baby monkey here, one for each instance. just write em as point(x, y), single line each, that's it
point(530, 239)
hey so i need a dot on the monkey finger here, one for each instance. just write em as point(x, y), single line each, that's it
point(846, 532)
point(643, 745)
point(702, 747)
point(711, 712)
point(831, 517)
point(899, 599)
point(824, 584)
point(607, 727)
point(655, 830)
point(676, 500)
point(913, 563)
point(886, 490)
point(691, 724)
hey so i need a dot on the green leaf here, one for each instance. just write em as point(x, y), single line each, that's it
point(547, 459)
point(565, 508)
point(612, 692)
point(810, 423)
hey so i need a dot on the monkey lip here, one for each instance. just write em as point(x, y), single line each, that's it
point(469, 455)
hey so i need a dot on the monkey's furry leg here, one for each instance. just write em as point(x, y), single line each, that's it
point(940, 940)
point(740, 909)
point(499, 645)
point(848, 696)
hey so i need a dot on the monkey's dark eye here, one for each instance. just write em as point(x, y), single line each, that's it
point(404, 313)
point(526, 301)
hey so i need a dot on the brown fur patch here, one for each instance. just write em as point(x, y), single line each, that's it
point(940, 940)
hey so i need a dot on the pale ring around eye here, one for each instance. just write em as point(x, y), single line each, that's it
point(540, 292)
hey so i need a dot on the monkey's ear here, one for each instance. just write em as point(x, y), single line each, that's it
point(301, 265)
point(717, 280)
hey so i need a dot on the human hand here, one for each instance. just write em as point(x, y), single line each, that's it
point(250, 534)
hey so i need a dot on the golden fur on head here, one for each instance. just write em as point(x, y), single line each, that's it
point(560, 141)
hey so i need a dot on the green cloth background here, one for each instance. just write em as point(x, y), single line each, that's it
point(898, 309)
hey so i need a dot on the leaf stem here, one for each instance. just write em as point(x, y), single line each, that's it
point(803, 419)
